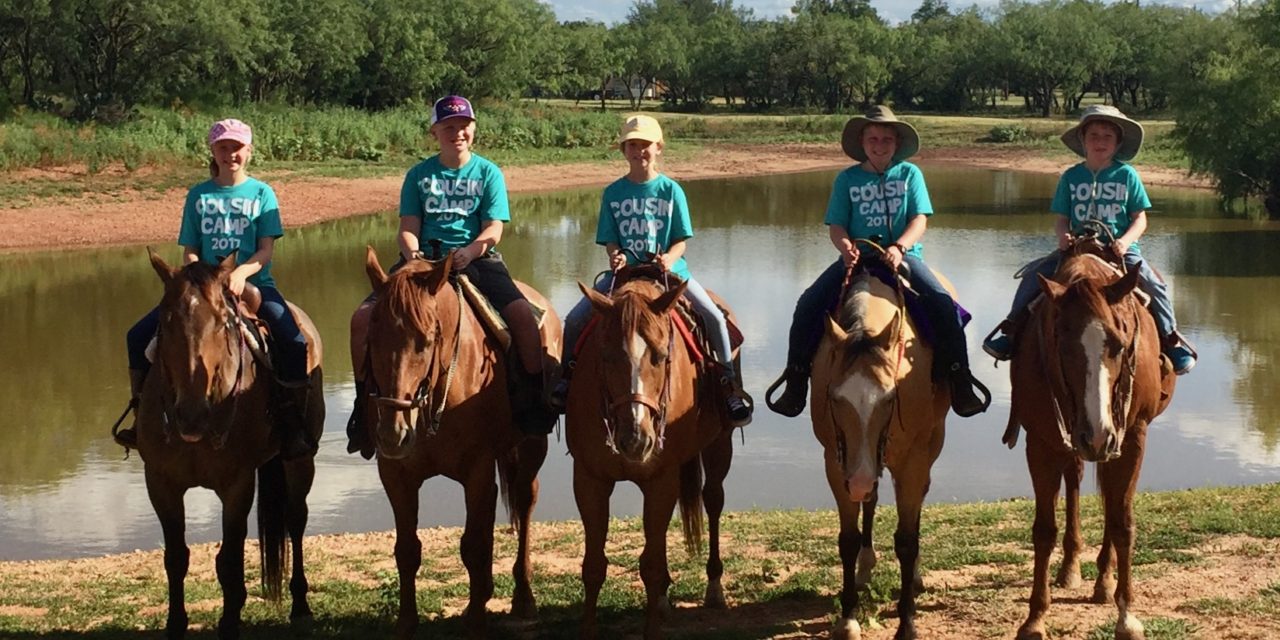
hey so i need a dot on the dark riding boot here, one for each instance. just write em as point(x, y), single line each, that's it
point(291, 420)
point(128, 437)
point(530, 409)
point(738, 405)
point(559, 398)
point(357, 431)
point(795, 396)
point(964, 400)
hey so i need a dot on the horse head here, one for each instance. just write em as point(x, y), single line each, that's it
point(1091, 325)
point(860, 374)
point(411, 328)
point(637, 340)
point(199, 347)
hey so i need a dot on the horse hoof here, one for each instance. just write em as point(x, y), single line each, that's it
point(1103, 593)
point(906, 631)
point(715, 596)
point(1030, 631)
point(846, 629)
point(525, 609)
point(1067, 579)
point(228, 631)
point(1129, 628)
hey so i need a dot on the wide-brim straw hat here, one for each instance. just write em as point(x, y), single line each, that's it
point(1130, 132)
point(851, 140)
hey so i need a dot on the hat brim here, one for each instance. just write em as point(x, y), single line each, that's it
point(1130, 136)
point(453, 117)
point(229, 136)
point(646, 136)
point(851, 139)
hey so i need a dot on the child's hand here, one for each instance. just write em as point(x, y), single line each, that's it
point(235, 282)
point(463, 256)
point(1064, 241)
point(1120, 247)
point(666, 261)
point(850, 254)
point(617, 260)
point(893, 255)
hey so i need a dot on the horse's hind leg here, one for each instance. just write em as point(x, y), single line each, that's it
point(523, 474)
point(716, 459)
point(169, 508)
point(1046, 468)
point(592, 496)
point(1069, 571)
point(299, 475)
point(1118, 481)
point(481, 494)
point(237, 499)
point(660, 497)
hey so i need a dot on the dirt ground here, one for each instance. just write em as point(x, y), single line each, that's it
point(141, 218)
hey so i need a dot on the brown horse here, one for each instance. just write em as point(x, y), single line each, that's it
point(639, 410)
point(440, 406)
point(204, 421)
point(1087, 379)
point(876, 406)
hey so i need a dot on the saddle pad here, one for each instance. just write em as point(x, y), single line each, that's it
point(489, 316)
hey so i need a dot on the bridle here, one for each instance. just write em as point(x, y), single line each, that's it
point(658, 406)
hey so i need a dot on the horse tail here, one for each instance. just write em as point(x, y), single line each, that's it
point(272, 528)
point(691, 504)
point(507, 468)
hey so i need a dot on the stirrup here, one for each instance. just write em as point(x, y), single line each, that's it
point(115, 428)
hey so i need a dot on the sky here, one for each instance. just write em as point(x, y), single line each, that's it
point(614, 11)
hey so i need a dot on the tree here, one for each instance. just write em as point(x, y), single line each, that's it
point(931, 10)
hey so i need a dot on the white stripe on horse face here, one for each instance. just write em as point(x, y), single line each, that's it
point(1097, 384)
point(864, 394)
point(636, 352)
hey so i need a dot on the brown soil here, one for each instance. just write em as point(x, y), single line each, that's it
point(134, 218)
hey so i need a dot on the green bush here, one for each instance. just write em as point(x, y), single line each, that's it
point(1011, 132)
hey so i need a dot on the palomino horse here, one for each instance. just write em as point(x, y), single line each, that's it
point(640, 411)
point(875, 405)
point(439, 406)
point(1087, 379)
point(204, 421)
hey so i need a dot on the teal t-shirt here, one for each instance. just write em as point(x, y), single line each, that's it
point(869, 204)
point(646, 217)
point(220, 220)
point(1113, 196)
point(454, 203)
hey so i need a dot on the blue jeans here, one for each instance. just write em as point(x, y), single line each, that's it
point(824, 294)
point(289, 340)
point(702, 303)
point(1161, 304)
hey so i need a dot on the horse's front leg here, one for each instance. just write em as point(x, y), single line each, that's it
point(1118, 481)
point(716, 459)
point(867, 552)
point(237, 500)
point(522, 472)
point(592, 495)
point(167, 502)
point(1045, 465)
point(299, 476)
point(481, 494)
point(1069, 571)
point(850, 544)
point(402, 493)
point(660, 496)
point(910, 484)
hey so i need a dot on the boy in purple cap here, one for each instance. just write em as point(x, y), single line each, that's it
point(234, 213)
point(459, 199)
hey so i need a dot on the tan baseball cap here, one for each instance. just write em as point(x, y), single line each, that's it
point(640, 127)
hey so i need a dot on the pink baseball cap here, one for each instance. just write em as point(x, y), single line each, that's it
point(452, 107)
point(230, 129)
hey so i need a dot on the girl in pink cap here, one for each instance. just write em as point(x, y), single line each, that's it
point(234, 213)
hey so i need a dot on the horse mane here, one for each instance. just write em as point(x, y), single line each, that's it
point(405, 296)
point(200, 275)
point(853, 318)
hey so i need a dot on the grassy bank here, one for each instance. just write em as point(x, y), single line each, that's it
point(1207, 560)
point(47, 157)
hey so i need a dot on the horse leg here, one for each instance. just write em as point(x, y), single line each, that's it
point(592, 495)
point(910, 484)
point(866, 553)
point(402, 493)
point(850, 543)
point(481, 494)
point(237, 500)
point(299, 476)
point(523, 473)
point(1118, 481)
point(660, 496)
point(1069, 571)
point(1104, 588)
point(716, 459)
point(1046, 468)
point(169, 508)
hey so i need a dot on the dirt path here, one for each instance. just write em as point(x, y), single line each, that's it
point(140, 218)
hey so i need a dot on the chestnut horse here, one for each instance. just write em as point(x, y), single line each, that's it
point(875, 405)
point(639, 410)
point(439, 406)
point(1087, 379)
point(203, 421)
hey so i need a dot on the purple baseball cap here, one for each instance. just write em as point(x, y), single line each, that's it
point(230, 129)
point(452, 107)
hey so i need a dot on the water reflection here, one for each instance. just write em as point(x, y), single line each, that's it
point(65, 491)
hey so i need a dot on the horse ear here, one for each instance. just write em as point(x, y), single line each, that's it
point(377, 277)
point(833, 329)
point(228, 263)
point(600, 301)
point(439, 276)
point(667, 301)
point(1051, 288)
point(1118, 290)
point(161, 267)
